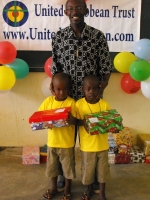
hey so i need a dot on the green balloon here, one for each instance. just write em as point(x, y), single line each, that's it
point(20, 67)
point(140, 70)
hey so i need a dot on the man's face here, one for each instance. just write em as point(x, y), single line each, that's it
point(76, 10)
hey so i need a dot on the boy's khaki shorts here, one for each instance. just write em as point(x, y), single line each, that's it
point(57, 157)
point(95, 163)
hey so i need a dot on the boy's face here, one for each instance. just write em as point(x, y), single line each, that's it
point(91, 91)
point(61, 90)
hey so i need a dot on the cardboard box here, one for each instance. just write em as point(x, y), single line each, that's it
point(143, 141)
point(103, 122)
point(137, 155)
point(49, 119)
point(31, 155)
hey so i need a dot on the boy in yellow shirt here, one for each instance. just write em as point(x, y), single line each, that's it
point(61, 141)
point(94, 148)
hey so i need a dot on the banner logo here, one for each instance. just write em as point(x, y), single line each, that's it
point(15, 13)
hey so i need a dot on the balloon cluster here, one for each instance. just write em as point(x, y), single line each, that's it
point(11, 68)
point(45, 87)
point(136, 68)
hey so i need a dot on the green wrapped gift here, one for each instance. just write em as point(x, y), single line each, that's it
point(103, 122)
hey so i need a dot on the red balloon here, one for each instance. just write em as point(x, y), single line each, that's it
point(47, 67)
point(8, 52)
point(130, 85)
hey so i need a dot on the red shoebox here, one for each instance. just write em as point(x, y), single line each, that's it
point(49, 119)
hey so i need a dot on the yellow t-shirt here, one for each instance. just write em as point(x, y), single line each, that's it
point(91, 143)
point(60, 137)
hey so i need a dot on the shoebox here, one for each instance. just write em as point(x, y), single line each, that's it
point(124, 137)
point(137, 155)
point(103, 122)
point(31, 155)
point(143, 141)
point(122, 158)
point(49, 119)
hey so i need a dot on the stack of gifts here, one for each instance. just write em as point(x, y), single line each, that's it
point(49, 119)
point(103, 122)
point(124, 141)
point(143, 141)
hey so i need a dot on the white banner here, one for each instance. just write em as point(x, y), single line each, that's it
point(31, 24)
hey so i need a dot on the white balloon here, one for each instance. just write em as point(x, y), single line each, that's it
point(145, 88)
point(45, 87)
point(58, 2)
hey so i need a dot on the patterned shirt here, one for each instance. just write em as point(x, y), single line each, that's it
point(80, 57)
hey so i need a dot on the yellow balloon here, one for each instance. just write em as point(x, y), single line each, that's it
point(7, 78)
point(123, 60)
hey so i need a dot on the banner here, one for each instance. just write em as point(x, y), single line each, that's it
point(31, 24)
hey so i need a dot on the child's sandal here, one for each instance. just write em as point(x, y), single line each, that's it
point(66, 197)
point(85, 196)
point(48, 195)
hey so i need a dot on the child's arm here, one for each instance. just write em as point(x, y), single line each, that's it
point(72, 120)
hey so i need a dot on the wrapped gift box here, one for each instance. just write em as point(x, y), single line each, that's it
point(111, 158)
point(147, 159)
point(103, 122)
point(143, 141)
point(124, 137)
point(137, 156)
point(122, 148)
point(122, 158)
point(49, 119)
point(113, 148)
point(31, 155)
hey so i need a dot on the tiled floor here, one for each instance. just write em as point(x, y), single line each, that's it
point(28, 182)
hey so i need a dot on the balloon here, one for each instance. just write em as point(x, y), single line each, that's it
point(129, 85)
point(145, 88)
point(20, 67)
point(58, 2)
point(7, 78)
point(45, 87)
point(140, 70)
point(123, 60)
point(142, 49)
point(7, 52)
point(47, 67)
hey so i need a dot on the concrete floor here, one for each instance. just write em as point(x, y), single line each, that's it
point(28, 182)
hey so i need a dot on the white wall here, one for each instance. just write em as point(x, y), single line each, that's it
point(17, 105)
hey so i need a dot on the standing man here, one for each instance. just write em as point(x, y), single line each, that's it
point(80, 49)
